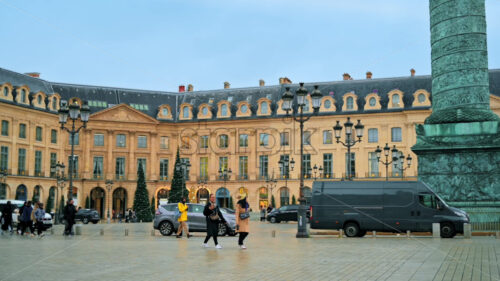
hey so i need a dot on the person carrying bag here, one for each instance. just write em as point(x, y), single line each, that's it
point(242, 219)
point(213, 217)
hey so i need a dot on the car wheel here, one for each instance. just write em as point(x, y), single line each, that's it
point(362, 233)
point(95, 222)
point(166, 228)
point(273, 220)
point(351, 229)
point(85, 220)
point(447, 230)
point(222, 229)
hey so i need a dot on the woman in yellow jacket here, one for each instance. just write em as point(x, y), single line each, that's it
point(242, 223)
point(183, 209)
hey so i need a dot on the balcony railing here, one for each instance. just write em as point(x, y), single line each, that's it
point(6, 171)
point(263, 177)
point(120, 177)
point(98, 177)
point(373, 175)
point(163, 178)
point(22, 172)
point(39, 174)
point(243, 177)
point(328, 176)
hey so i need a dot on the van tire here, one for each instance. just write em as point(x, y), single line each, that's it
point(351, 229)
point(362, 233)
point(447, 230)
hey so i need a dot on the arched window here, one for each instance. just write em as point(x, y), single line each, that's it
point(39, 99)
point(223, 110)
point(328, 104)
point(395, 100)
point(264, 108)
point(202, 195)
point(263, 197)
point(5, 91)
point(54, 103)
point(185, 112)
point(222, 197)
point(21, 193)
point(284, 196)
point(23, 96)
point(350, 103)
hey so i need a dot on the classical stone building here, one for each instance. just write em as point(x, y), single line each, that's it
point(243, 129)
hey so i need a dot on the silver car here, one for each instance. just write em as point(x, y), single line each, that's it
point(166, 223)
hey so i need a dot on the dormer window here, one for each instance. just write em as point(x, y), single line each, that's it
point(421, 98)
point(244, 108)
point(373, 101)
point(350, 103)
point(204, 111)
point(185, 112)
point(54, 103)
point(223, 110)
point(264, 108)
point(23, 96)
point(328, 104)
point(5, 91)
point(164, 111)
point(395, 100)
point(39, 99)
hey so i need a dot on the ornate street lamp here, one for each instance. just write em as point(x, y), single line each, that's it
point(271, 184)
point(109, 186)
point(225, 175)
point(74, 111)
point(350, 139)
point(58, 171)
point(316, 169)
point(400, 165)
point(387, 151)
point(298, 116)
point(285, 168)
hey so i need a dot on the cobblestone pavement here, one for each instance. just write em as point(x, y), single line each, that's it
point(140, 256)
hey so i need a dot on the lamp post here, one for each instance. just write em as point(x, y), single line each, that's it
point(350, 139)
point(58, 171)
point(271, 184)
point(298, 116)
point(74, 111)
point(286, 168)
point(315, 169)
point(387, 150)
point(184, 167)
point(109, 186)
point(225, 175)
point(400, 165)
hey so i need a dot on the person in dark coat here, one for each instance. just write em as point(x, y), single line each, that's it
point(7, 217)
point(26, 219)
point(69, 216)
point(213, 216)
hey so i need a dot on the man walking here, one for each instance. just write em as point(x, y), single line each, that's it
point(39, 215)
point(183, 209)
point(69, 215)
point(26, 219)
point(7, 218)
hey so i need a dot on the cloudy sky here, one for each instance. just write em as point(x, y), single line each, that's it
point(162, 44)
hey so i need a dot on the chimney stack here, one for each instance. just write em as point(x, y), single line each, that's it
point(182, 88)
point(346, 76)
point(227, 85)
point(262, 83)
point(412, 71)
point(285, 80)
point(33, 74)
point(190, 87)
point(369, 75)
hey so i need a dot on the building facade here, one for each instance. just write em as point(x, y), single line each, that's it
point(243, 130)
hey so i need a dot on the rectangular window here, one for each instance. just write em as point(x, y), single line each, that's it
point(263, 166)
point(121, 140)
point(53, 136)
point(77, 139)
point(243, 140)
point(163, 169)
point(284, 139)
point(5, 128)
point(285, 167)
point(373, 165)
point(352, 164)
point(38, 163)
point(373, 135)
point(164, 142)
point(21, 162)
point(75, 165)
point(98, 140)
point(142, 162)
point(204, 142)
point(53, 162)
point(223, 164)
point(186, 171)
point(98, 166)
point(396, 169)
point(38, 133)
point(307, 138)
point(264, 139)
point(120, 168)
point(396, 134)
point(22, 131)
point(327, 137)
point(142, 141)
point(306, 165)
point(223, 141)
point(327, 165)
point(204, 168)
point(243, 167)
point(4, 158)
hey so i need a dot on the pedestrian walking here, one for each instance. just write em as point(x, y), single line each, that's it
point(26, 219)
point(6, 218)
point(262, 213)
point(39, 215)
point(69, 216)
point(183, 218)
point(242, 218)
point(213, 217)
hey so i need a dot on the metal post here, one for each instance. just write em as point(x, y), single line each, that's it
point(386, 163)
point(348, 141)
point(302, 221)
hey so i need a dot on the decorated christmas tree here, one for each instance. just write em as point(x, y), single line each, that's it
point(50, 203)
point(273, 202)
point(87, 203)
point(141, 200)
point(294, 201)
point(178, 184)
point(153, 206)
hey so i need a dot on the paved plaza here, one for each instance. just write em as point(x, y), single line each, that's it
point(140, 256)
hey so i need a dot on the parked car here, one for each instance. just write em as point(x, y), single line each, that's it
point(87, 215)
point(16, 206)
point(394, 206)
point(166, 223)
point(285, 213)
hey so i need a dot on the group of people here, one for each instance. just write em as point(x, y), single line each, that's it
point(213, 217)
point(29, 217)
point(263, 211)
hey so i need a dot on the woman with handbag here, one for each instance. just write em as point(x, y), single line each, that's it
point(242, 218)
point(213, 217)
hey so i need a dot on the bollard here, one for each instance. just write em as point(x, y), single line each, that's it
point(102, 231)
point(152, 232)
point(341, 233)
point(436, 230)
point(408, 234)
point(273, 233)
point(78, 229)
point(467, 230)
point(498, 234)
point(374, 234)
point(126, 231)
point(51, 231)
